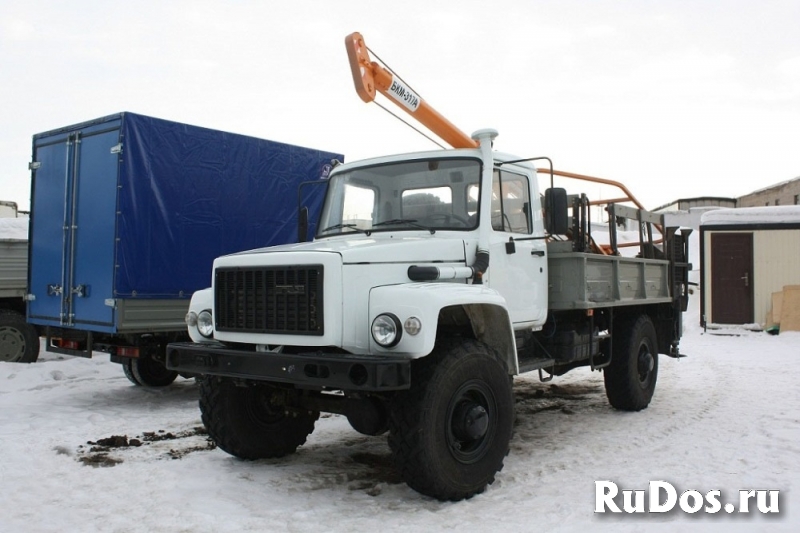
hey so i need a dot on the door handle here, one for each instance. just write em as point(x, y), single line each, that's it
point(538, 253)
point(81, 291)
point(746, 279)
point(54, 290)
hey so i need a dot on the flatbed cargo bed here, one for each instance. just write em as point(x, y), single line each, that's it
point(579, 280)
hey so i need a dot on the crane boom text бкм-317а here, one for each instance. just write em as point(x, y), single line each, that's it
point(433, 279)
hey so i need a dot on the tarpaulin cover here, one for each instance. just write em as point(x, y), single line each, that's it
point(190, 194)
point(129, 206)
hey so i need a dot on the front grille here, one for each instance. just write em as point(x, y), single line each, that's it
point(284, 300)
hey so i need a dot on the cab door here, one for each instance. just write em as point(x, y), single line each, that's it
point(518, 259)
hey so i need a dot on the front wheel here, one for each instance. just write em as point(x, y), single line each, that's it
point(451, 431)
point(252, 421)
point(630, 378)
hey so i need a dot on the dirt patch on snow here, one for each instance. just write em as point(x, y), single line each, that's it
point(535, 397)
point(111, 451)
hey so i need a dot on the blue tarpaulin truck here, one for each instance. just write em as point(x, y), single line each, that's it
point(128, 213)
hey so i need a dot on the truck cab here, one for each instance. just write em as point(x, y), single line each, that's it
point(399, 247)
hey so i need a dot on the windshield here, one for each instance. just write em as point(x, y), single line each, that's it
point(427, 194)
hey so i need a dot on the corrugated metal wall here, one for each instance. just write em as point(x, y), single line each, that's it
point(13, 268)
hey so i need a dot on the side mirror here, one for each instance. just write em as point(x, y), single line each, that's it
point(310, 196)
point(556, 218)
point(302, 224)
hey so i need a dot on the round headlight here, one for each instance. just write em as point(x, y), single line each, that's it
point(191, 319)
point(386, 330)
point(205, 324)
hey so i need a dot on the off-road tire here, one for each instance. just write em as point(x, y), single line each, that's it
point(630, 379)
point(428, 426)
point(19, 341)
point(245, 422)
point(149, 372)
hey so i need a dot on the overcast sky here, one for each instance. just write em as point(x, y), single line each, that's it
point(674, 98)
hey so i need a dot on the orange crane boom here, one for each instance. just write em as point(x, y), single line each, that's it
point(369, 77)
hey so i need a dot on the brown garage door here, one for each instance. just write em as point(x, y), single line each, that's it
point(732, 278)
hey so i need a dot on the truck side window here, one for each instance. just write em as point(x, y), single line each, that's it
point(510, 203)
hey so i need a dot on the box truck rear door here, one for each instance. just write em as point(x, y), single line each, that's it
point(74, 204)
point(94, 219)
point(46, 262)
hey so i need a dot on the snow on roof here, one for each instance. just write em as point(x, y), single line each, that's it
point(13, 229)
point(779, 214)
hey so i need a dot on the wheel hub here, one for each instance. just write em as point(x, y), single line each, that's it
point(12, 344)
point(470, 421)
point(646, 362)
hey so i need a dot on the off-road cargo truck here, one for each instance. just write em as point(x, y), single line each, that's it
point(433, 279)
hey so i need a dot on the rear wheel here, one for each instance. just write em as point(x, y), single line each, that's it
point(147, 371)
point(127, 367)
point(451, 431)
point(19, 341)
point(630, 378)
point(252, 421)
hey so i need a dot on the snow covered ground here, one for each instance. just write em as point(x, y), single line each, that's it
point(725, 418)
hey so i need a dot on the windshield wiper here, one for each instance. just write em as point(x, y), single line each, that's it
point(341, 226)
point(406, 221)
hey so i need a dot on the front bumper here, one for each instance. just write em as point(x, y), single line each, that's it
point(313, 369)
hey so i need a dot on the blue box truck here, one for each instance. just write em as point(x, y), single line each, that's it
point(128, 213)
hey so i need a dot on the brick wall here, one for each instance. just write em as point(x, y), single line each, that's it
point(786, 193)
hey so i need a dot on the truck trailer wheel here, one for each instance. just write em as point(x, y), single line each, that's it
point(19, 341)
point(148, 372)
point(450, 432)
point(251, 421)
point(631, 377)
point(127, 368)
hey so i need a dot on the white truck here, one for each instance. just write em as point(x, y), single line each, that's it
point(433, 279)
point(19, 341)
